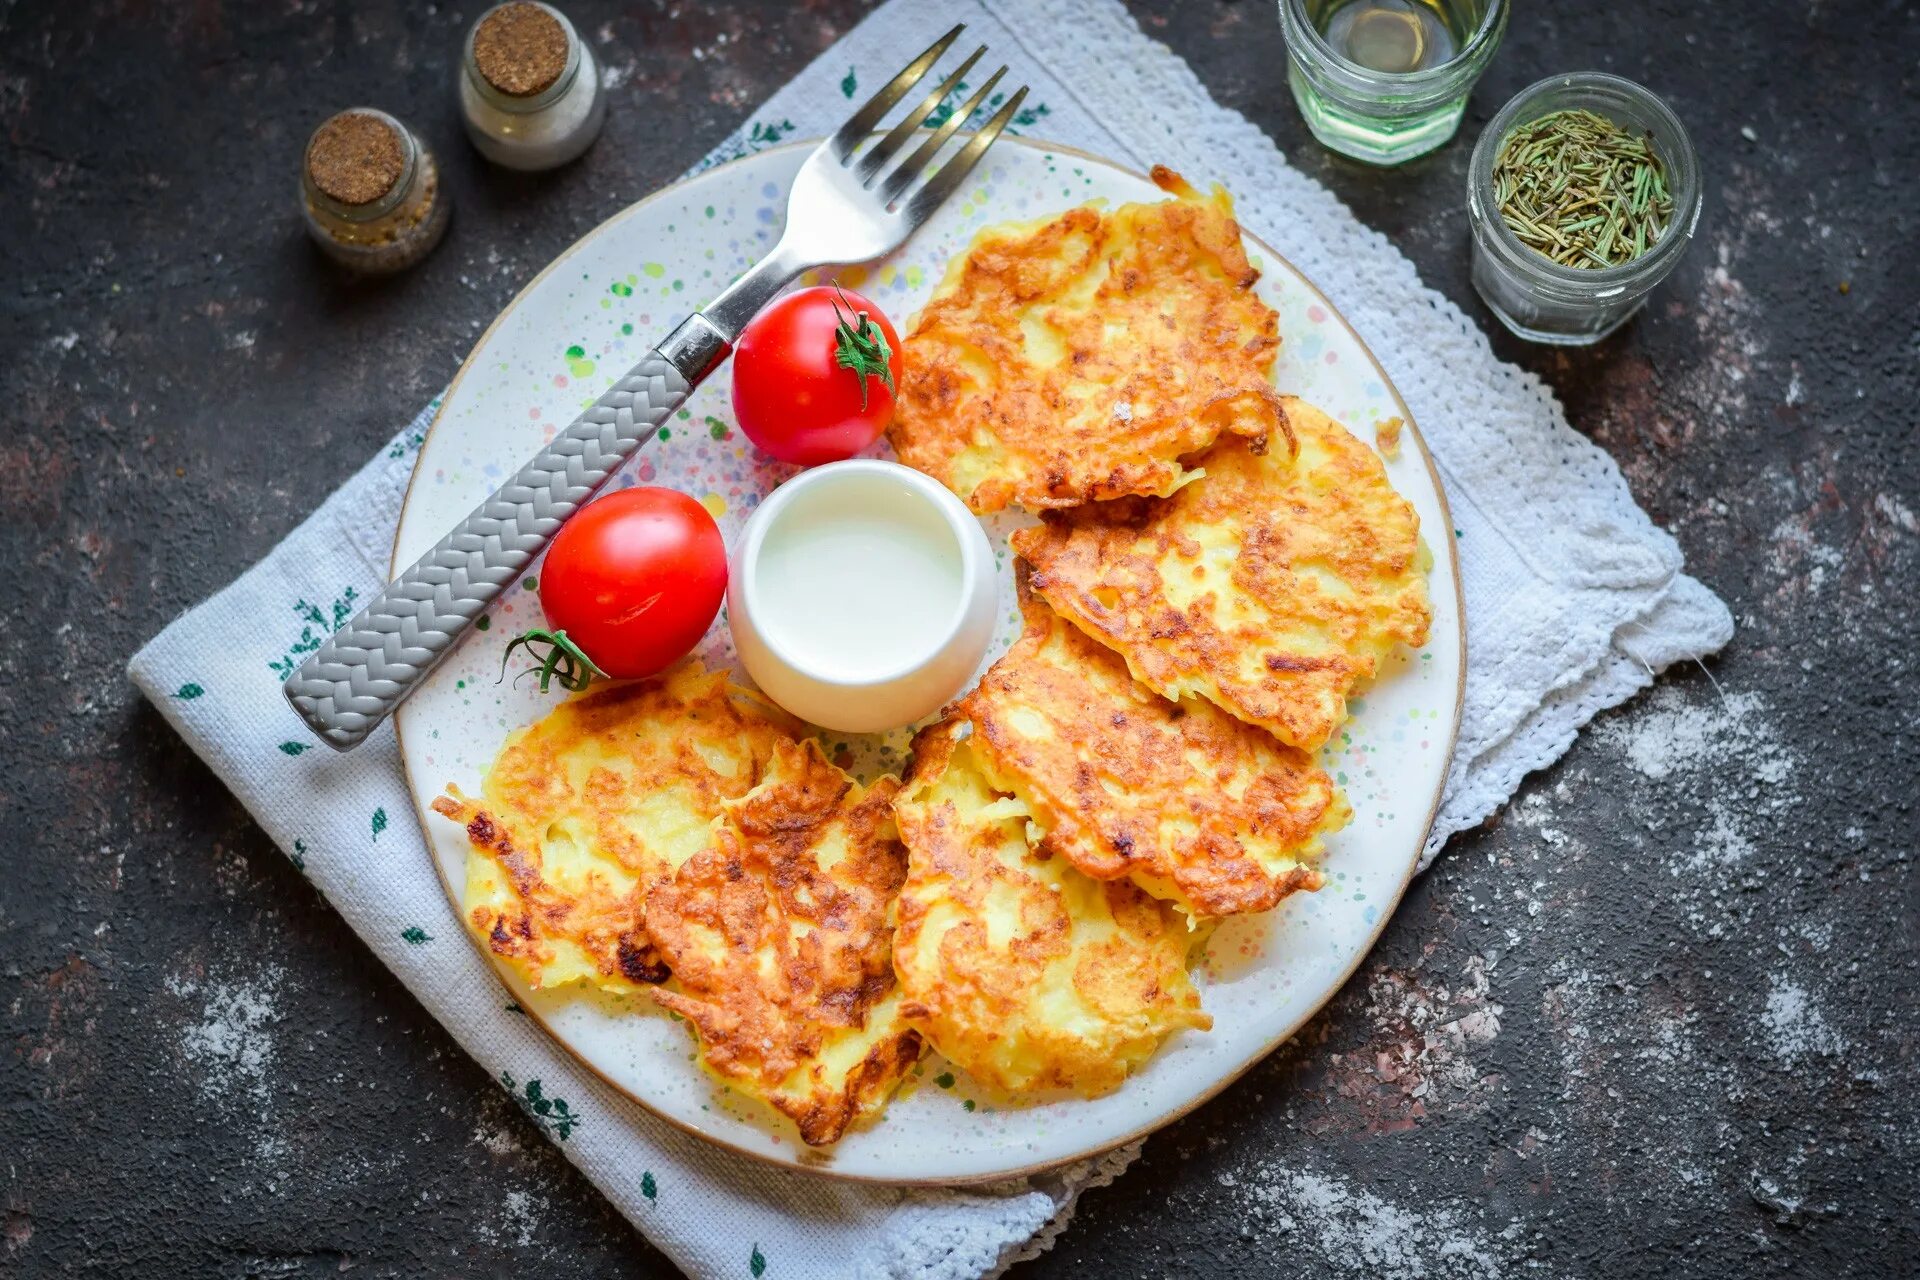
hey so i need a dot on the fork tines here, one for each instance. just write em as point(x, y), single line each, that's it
point(867, 168)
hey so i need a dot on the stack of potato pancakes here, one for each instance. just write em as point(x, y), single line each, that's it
point(1215, 568)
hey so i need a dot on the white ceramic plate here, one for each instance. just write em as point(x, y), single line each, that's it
point(590, 316)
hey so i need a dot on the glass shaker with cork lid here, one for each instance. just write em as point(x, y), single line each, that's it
point(529, 87)
point(371, 192)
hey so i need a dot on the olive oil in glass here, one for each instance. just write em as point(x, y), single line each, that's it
point(1387, 80)
point(1395, 36)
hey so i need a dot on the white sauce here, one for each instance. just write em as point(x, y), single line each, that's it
point(853, 586)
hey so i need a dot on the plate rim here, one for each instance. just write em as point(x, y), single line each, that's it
point(1226, 1078)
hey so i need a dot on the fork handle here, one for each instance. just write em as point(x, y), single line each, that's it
point(357, 678)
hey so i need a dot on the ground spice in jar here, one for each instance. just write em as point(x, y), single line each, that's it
point(371, 192)
point(520, 49)
point(355, 158)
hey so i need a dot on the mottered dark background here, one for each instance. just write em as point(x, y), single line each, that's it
point(1656, 1019)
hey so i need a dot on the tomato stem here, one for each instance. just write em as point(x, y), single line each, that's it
point(859, 345)
point(563, 660)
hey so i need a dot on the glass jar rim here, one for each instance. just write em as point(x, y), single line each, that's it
point(1294, 18)
point(1676, 147)
point(532, 102)
point(409, 163)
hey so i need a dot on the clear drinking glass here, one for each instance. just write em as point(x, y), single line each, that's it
point(1387, 117)
point(1537, 298)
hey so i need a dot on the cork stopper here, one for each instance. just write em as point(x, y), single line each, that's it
point(520, 49)
point(355, 158)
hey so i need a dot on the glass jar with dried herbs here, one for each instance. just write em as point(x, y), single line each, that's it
point(1583, 194)
point(371, 192)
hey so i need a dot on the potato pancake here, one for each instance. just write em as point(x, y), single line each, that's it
point(1270, 587)
point(589, 807)
point(1187, 802)
point(780, 939)
point(1027, 974)
point(1080, 358)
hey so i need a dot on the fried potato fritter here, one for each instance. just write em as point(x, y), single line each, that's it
point(1027, 974)
point(1080, 358)
point(779, 937)
point(1270, 587)
point(1190, 804)
point(589, 807)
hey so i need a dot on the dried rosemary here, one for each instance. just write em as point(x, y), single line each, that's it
point(1578, 189)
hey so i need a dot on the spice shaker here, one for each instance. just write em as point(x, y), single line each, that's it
point(1544, 300)
point(371, 192)
point(529, 87)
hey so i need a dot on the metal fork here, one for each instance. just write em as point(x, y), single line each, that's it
point(847, 205)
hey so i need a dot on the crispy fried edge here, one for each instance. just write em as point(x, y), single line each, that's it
point(490, 835)
point(513, 937)
point(932, 751)
point(1127, 478)
point(1105, 856)
point(1051, 545)
point(825, 1118)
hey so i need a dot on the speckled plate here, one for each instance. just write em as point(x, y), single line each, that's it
point(588, 317)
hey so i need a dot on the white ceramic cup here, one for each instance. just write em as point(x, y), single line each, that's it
point(862, 595)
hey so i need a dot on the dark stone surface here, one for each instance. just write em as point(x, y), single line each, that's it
point(1658, 1019)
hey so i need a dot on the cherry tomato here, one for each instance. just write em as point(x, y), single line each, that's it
point(635, 579)
point(794, 393)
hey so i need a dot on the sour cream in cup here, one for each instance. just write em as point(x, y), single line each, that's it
point(862, 596)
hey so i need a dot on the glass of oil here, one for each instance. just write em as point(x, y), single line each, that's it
point(1387, 80)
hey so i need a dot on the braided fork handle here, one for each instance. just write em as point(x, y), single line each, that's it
point(357, 678)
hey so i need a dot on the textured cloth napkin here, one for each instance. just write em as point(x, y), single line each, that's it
point(1573, 601)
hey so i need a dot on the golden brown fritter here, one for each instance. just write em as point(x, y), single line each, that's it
point(587, 808)
point(1081, 358)
point(1270, 587)
point(1025, 973)
point(779, 937)
point(1190, 804)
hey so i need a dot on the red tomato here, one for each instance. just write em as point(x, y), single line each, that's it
point(791, 393)
point(635, 579)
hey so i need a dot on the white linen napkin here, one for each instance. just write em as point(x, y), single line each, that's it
point(1573, 601)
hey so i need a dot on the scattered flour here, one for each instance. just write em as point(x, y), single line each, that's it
point(1674, 735)
point(1817, 933)
point(1723, 844)
point(1794, 548)
point(1896, 512)
point(615, 75)
point(518, 1224)
point(495, 1131)
point(499, 1142)
point(1618, 1041)
point(230, 1047)
point(1571, 1002)
point(1723, 752)
point(1353, 1227)
point(1426, 1035)
point(1795, 1027)
point(520, 1217)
